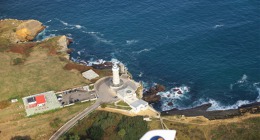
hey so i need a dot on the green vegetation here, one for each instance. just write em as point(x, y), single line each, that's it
point(243, 130)
point(122, 103)
point(246, 130)
point(103, 105)
point(91, 87)
point(55, 122)
point(112, 105)
point(17, 61)
point(104, 125)
point(40, 72)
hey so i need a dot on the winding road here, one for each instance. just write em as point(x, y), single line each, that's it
point(105, 95)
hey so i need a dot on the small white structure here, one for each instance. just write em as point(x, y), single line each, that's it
point(122, 68)
point(128, 95)
point(138, 105)
point(90, 74)
point(116, 79)
point(14, 100)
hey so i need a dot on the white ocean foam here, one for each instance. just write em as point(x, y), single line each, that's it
point(78, 26)
point(64, 23)
point(140, 74)
point(70, 25)
point(257, 86)
point(143, 50)
point(81, 51)
point(69, 35)
point(97, 36)
point(130, 42)
point(218, 106)
point(43, 35)
point(243, 79)
point(218, 26)
point(49, 21)
point(92, 32)
point(170, 97)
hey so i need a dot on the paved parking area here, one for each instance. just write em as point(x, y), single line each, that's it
point(70, 97)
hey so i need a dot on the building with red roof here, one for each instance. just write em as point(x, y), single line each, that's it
point(40, 100)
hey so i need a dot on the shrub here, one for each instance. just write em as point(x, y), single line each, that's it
point(103, 105)
point(121, 133)
point(17, 61)
point(96, 132)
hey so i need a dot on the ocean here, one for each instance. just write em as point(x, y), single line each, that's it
point(213, 47)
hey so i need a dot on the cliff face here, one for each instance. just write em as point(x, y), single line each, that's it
point(17, 35)
point(15, 31)
point(28, 30)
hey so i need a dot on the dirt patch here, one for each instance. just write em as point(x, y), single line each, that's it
point(4, 104)
point(80, 68)
point(24, 48)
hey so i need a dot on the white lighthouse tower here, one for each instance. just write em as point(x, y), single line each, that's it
point(116, 79)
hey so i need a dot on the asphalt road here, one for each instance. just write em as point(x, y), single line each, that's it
point(105, 95)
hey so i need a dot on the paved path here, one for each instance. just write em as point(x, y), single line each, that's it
point(105, 94)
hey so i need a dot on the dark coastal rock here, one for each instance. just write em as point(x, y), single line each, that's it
point(150, 95)
point(106, 65)
point(251, 108)
point(217, 114)
point(170, 104)
point(202, 111)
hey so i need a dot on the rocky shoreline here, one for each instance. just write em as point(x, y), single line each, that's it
point(151, 97)
point(216, 114)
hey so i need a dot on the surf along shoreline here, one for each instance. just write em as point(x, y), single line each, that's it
point(152, 97)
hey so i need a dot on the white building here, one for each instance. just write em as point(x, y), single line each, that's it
point(128, 95)
point(90, 74)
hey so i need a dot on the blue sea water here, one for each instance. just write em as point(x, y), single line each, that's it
point(211, 46)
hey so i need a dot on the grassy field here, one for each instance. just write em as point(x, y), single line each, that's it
point(39, 73)
point(39, 127)
point(198, 128)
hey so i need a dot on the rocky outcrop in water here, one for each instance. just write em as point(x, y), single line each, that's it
point(150, 95)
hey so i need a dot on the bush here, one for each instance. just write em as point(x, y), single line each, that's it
point(96, 132)
point(17, 61)
point(121, 133)
point(103, 105)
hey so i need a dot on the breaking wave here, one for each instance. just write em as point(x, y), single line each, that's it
point(143, 50)
point(43, 35)
point(169, 101)
point(218, 26)
point(71, 25)
point(218, 106)
point(130, 42)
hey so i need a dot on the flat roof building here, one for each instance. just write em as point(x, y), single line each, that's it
point(90, 74)
point(128, 95)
